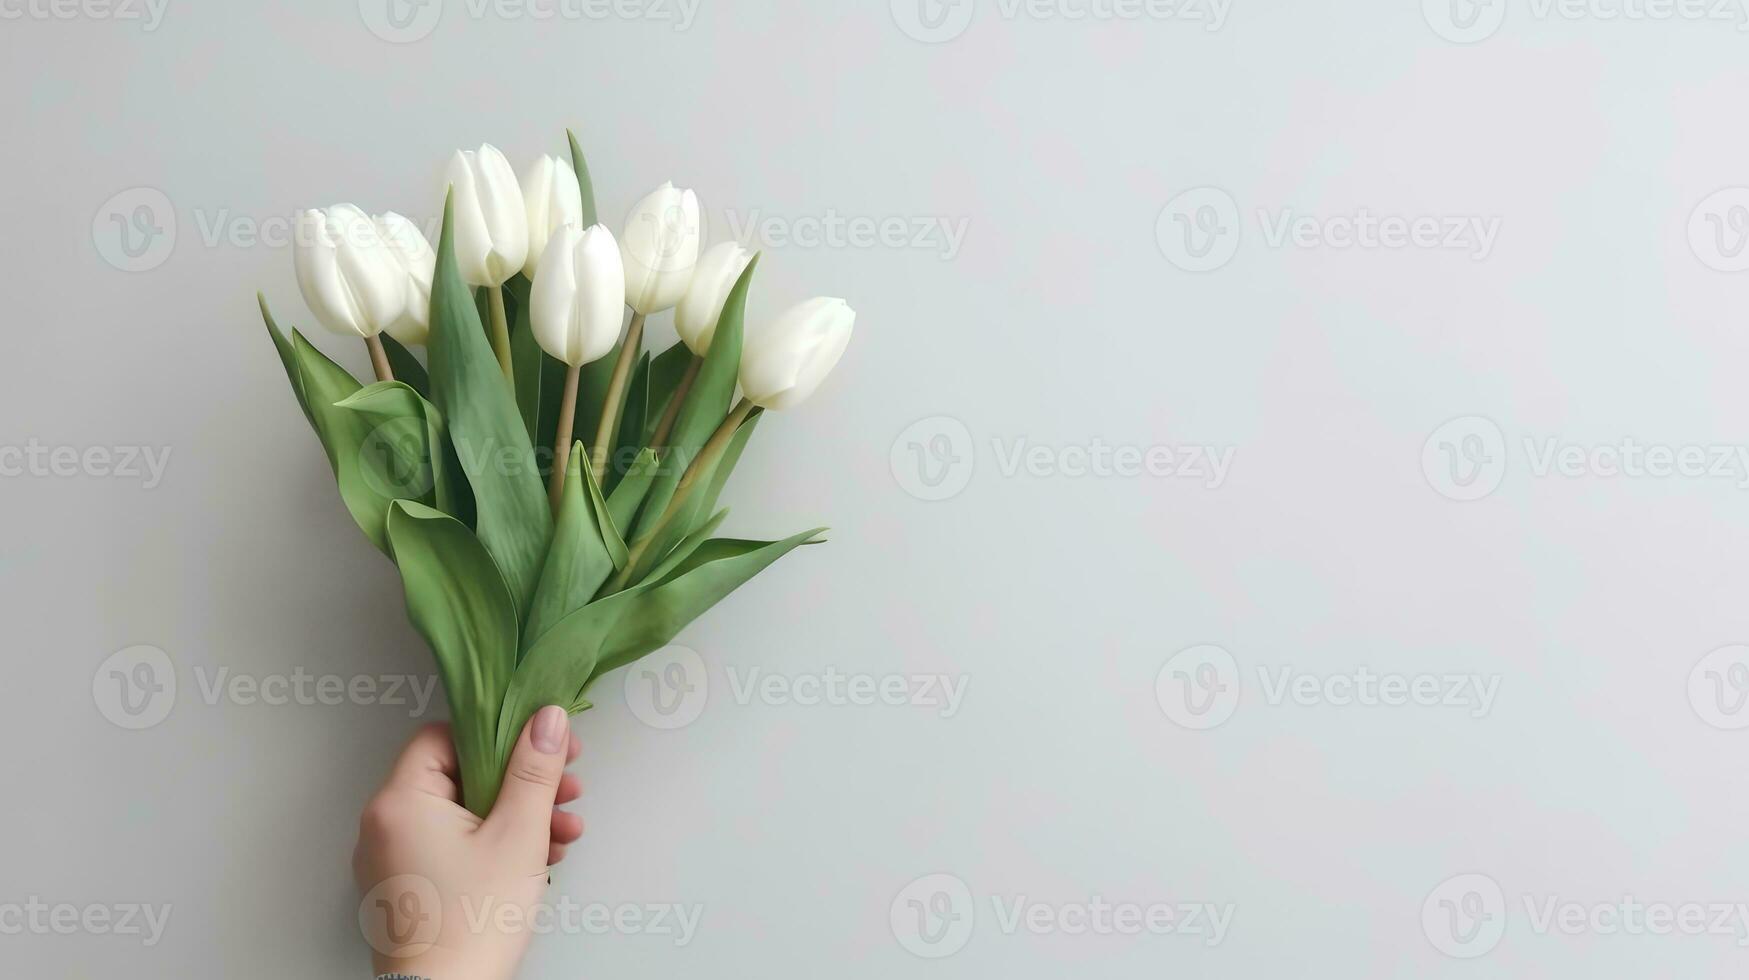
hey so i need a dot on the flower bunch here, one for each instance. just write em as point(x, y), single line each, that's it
point(530, 573)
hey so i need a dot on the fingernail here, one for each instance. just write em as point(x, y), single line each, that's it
point(550, 729)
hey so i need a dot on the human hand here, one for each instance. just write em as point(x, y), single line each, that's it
point(448, 896)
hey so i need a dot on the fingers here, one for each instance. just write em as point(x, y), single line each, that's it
point(567, 827)
point(531, 783)
point(570, 787)
point(428, 764)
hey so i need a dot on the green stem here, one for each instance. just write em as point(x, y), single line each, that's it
point(500, 328)
point(701, 466)
point(616, 386)
point(672, 412)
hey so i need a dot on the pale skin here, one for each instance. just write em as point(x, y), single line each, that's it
point(464, 886)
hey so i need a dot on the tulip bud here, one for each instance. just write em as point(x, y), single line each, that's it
point(784, 362)
point(660, 246)
point(695, 319)
point(578, 295)
point(407, 243)
point(491, 223)
point(554, 200)
point(349, 276)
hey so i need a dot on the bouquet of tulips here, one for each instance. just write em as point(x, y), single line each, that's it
point(529, 572)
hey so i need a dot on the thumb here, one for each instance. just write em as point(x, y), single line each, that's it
point(525, 804)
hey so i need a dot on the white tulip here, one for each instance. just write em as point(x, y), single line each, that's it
point(578, 295)
point(782, 363)
point(554, 199)
point(491, 223)
point(660, 246)
point(695, 319)
point(349, 276)
point(418, 262)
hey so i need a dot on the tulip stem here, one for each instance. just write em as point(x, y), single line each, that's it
point(616, 386)
point(672, 412)
point(379, 358)
point(702, 465)
point(500, 327)
point(562, 445)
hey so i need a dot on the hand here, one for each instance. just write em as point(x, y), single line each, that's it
point(448, 896)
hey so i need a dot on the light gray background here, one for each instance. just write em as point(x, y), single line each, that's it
point(1063, 321)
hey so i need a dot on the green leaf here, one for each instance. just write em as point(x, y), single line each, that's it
point(406, 366)
point(345, 436)
point(511, 511)
point(461, 605)
point(614, 631)
point(631, 423)
point(525, 359)
point(726, 465)
point(665, 374)
point(584, 184)
point(287, 358)
point(408, 455)
point(580, 558)
point(682, 591)
point(622, 504)
point(706, 405)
